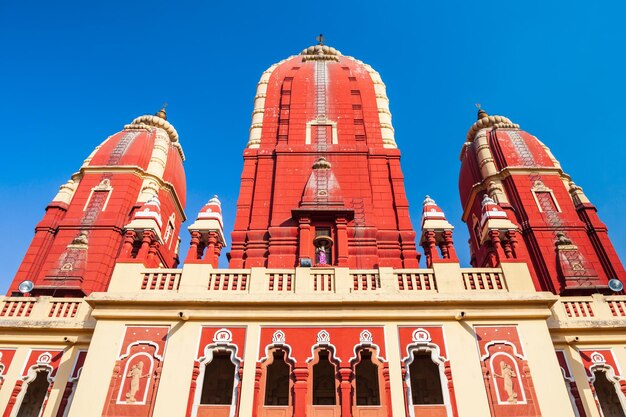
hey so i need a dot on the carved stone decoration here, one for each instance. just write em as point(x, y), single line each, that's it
point(323, 338)
point(137, 372)
point(506, 373)
point(278, 338)
point(597, 357)
point(366, 337)
point(421, 336)
point(44, 358)
point(223, 336)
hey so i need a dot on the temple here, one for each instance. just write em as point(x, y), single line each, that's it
point(333, 304)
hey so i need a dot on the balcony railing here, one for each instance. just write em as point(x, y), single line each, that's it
point(267, 281)
point(44, 308)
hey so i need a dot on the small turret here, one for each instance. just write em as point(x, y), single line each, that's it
point(207, 235)
point(436, 231)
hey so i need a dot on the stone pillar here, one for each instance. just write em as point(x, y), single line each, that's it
point(192, 255)
point(304, 238)
point(300, 389)
point(147, 238)
point(342, 241)
point(345, 387)
point(127, 247)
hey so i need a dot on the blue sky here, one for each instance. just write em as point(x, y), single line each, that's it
point(73, 73)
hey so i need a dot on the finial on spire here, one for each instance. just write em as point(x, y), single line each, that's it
point(481, 112)
point(161, 113)
point(320, 39)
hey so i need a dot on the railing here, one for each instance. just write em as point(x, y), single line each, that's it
point(64, 309)
point(477, 279)
point(618, 307)
point(16, 308)
point(280, 281)
point(416, 280)
point(228, 281)
point(385, 280)
point(44, 308)
point(161, 280)
point(365, 281)
point(323, 281)
point(576, 309)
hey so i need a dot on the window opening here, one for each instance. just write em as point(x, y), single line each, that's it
point(607, 397)
point(366, 374)
point(324, 381)
point(35, 395)
point(425, 380)
point(277, 380)
point(219, 380)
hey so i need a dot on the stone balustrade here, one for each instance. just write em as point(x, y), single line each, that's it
point(194, 278)
point(74, 310)
point(577, 311)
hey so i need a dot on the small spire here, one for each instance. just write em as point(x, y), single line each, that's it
point(429, 201)
point(320, 39)
point(481, 113)
point(161, 113)
point(215, 200)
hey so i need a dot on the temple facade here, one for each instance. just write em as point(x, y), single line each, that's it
point(333, 304)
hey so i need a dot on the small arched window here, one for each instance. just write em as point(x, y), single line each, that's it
point(219, 380)
point(425, 380)
point(607, 396)
point(277, 380)
point(35, 395)
point(367, 385)
point(324, 391)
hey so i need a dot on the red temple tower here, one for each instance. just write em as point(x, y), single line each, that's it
point(129, 192)
point(321, 178)
point(519, 203)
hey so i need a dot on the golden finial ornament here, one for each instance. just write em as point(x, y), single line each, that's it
point(161, 113)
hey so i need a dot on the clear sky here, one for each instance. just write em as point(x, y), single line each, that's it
point(75, 72)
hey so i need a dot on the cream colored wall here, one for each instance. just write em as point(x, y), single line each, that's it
point(93, 385)
point(546, 374)
point(541, 319)
point(471, 395)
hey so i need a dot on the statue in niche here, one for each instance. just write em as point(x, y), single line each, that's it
point(135, 374)
point(507, 373)
point(322, 254)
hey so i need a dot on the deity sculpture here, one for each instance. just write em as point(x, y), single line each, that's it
point(135, 374)
point(507, 373)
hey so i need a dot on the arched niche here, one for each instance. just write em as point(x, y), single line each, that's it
point(427, 393)
point(370, 383)
point(323, 385)
point(33, 395)
point(607, 391)
point(217, 391)
point(275, 379)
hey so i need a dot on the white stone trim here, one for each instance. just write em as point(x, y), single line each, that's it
point(321, 122)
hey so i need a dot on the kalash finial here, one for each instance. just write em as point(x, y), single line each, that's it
point(161, 113)
point(481, 112)
point(320, 39)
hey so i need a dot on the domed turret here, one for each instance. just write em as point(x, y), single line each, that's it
point(516, 201)
point(135, 178)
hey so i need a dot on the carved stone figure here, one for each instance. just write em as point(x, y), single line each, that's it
point(507, 373)
point(135, 374)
